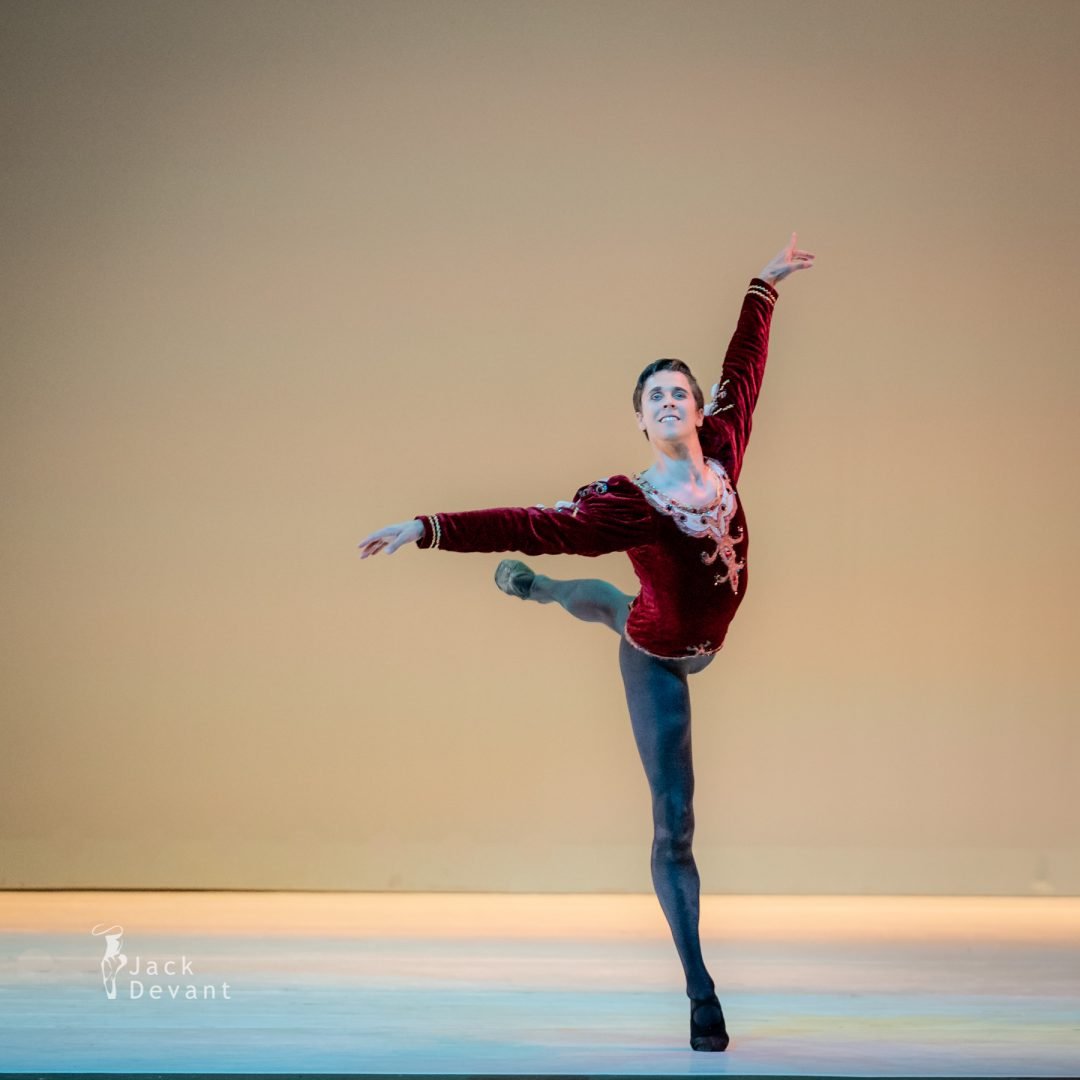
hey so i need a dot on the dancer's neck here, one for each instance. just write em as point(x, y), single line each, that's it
point(679, 465)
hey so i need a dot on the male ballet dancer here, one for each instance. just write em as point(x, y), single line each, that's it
point(682, 525)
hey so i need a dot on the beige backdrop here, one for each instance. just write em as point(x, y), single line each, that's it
point(278, 274)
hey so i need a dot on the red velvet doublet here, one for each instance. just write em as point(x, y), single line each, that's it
point(691, 563)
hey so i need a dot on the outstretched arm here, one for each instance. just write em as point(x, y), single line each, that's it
point(729, 413)
point(390, 538)
point(606, 516)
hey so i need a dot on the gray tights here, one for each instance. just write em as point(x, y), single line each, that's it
point(658, 697)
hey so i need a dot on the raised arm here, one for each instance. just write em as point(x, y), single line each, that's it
point(730, 410)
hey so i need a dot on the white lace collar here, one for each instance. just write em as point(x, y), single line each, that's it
point(712, 522)
point(720, 506)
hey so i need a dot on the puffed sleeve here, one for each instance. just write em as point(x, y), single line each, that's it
point(728, 415)
point(607, 515)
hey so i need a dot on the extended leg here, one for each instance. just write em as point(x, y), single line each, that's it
point(658, 697)
point(588, 599)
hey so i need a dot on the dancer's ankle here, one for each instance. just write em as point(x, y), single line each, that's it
point(540, 590)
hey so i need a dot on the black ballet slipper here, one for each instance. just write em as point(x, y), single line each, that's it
point(707, 1028)
point(514, 578)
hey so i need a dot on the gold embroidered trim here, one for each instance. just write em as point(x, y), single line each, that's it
point(714, 405)
point(712, 521)
point(760, 290)
point(701, 650)
point(436, 530)
point(597, 487)
point(692, 650)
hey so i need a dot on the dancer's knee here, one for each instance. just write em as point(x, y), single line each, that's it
point(593, 600)
point(673, 830)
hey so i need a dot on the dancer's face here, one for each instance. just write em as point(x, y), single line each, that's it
point(668, 410)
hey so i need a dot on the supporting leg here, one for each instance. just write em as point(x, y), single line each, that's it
point(658, 698)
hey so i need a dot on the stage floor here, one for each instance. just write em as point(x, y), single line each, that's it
point(480, 984)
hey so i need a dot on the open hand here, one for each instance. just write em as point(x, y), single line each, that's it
point(391, 538)
point(789, 259)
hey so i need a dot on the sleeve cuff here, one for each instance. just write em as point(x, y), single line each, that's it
point(432, 530)
point(760, 287)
